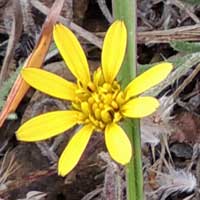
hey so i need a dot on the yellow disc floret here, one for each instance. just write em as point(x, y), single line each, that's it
point(99, 102)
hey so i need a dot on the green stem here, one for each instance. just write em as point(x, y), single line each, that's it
point(130, 169)
point(126, 10)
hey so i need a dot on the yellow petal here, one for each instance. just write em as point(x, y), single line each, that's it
point(140, 107)
point(47, 125)
point(72, 53)
point(148, 79)
point(72, 153)
point(49, 83)
point(113, 51)
point(118, 144)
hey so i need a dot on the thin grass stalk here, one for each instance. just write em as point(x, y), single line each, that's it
point(126, 10)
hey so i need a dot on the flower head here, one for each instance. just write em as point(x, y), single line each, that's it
point(97, 101)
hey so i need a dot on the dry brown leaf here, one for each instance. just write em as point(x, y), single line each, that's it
point(36, 59)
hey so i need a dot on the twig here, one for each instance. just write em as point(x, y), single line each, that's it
point(113, 182)
point(189, 197)
point(105, 10)
point(186, 82)
point(7, 169)
point(92, 194)
point(4, 43)
point(186, 33)
point(28, 21)
point(141, 15)
point(2, 29)
point(14, 37)
point(47, 152)
point(81, 31)
point(25, 181)
point(43, 146)
point(182, 6)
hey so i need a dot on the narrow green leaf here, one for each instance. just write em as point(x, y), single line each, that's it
point(192, 2)
point(186, 47)
point(4, 91)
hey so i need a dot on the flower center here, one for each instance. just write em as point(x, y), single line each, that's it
point(99, 103)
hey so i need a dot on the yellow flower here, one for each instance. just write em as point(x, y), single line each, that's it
point(97, 101)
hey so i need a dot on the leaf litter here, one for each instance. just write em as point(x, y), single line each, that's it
point(174, 127)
